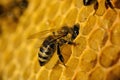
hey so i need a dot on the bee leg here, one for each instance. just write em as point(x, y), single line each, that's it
point(108, 3)
point(59, 54)
point(71, 43)
point(68, 42)
point(95, 7)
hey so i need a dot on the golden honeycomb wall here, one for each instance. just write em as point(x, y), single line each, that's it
point(96, 57)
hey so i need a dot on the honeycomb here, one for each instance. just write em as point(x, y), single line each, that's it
point(96, 57)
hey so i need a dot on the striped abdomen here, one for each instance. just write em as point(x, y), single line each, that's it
point(46, 50)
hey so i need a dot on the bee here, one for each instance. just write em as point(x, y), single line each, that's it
point(88, 2)
point(53, 42)
point(108, 4)
point(95, 2)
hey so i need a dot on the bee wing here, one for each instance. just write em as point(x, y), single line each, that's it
point(41, 35)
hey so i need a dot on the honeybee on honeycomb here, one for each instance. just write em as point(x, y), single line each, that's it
point(53, 42)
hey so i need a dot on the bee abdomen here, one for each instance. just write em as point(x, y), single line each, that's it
point(45, 55)
point(42, 59)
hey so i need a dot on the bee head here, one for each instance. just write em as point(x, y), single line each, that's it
point(75, 31)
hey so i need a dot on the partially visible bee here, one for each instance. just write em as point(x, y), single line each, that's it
point(108, 4)
point(88, 2)
point(53, 42)
point(95, 2)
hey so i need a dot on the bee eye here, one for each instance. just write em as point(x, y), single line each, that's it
point(76, 29)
